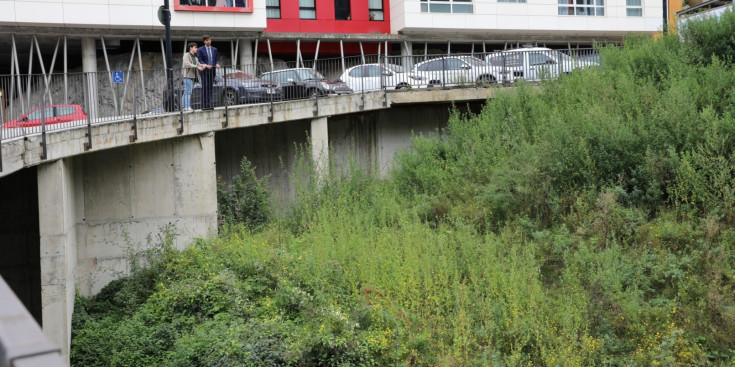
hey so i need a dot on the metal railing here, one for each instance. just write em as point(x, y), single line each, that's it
point(39, 103)
point(22, 343)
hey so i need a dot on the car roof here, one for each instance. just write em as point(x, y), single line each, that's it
point(525, 49)
point(289, 69)
point(464, 57)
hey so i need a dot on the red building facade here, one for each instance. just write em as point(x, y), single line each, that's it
point(329, 17)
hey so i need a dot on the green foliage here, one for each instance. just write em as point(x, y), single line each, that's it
point(584, 222)
point(712, 38)
point(246, 199)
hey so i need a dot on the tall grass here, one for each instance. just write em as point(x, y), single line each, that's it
point(583, 222)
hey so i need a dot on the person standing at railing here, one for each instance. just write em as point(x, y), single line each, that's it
point(207, 56)
point(190, 64)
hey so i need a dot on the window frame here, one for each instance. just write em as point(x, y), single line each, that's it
point(217, 9)
point(587, 8)
point(271, 7)
point(302, 8)
point(629, 7)
point(380, 11)
point(349, 10)
point(426, 6)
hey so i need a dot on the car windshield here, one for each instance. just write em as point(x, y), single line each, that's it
point(397, 68)
point(562, 56)
point(309, 74)
point(474, 61)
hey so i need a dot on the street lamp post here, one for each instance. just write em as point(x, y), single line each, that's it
point(164, 16)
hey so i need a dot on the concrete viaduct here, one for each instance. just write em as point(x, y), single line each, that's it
point(69, 220)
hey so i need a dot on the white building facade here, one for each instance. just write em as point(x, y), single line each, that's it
point(529, 20)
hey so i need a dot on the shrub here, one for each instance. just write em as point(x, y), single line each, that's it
point(246, 199)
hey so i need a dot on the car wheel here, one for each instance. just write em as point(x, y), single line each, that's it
point(485, 79)
point(230, 97)
point(402, 86)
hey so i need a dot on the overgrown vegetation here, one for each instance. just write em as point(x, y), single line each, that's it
point(586, 222)
point(245, 201)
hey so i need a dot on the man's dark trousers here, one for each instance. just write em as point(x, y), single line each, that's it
point(207, 86)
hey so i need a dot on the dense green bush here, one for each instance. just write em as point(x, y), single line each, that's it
point(245, 201)
point(712, 38)
point(585, 222)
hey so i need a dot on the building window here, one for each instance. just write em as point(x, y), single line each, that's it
point(342, 9)
point(375, 7)
point(633, 8)
point(307, 9)
point(582, 7)
point(273, 9)
point(446, 6)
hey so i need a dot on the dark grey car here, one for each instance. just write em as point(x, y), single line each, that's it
point(305, 83)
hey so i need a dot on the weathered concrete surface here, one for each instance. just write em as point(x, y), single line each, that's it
point(56, 199)
point(273, 150)
point(131, 194)
point(98, 211)
point(320, 146)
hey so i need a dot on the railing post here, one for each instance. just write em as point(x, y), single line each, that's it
point(180, 129)
point(316, 102)
point(86, 78)
point(43, 126)
point(134, 137)
point(2, 123)
point(227, 102)
point(270, 112)
point(383, 84)
point(444, 71)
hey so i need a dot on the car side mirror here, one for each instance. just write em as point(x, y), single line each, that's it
point(466, 67)
point(387, 73)
point(551, 62)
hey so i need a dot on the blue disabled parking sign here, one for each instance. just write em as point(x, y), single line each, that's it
point(117, 76)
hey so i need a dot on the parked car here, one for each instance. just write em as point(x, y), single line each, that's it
point(535, 63)
point(369, 77)
point(305, 83)
point(51, 114)
point(241, 88)
point(454, 70)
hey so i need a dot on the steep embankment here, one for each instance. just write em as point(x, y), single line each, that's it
point(585, 222)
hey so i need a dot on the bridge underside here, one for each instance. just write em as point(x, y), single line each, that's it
point(19, 238)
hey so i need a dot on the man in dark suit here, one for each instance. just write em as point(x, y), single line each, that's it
point(207, 56)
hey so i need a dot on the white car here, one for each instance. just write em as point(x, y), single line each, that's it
point(369, 77)
point(453, 70)
point(534, 63)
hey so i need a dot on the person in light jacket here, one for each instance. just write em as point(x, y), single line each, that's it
point(190, 65)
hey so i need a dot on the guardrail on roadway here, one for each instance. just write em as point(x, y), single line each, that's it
point(22, 343)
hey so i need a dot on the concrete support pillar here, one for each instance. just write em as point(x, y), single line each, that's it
point(246, 56)
point(320, 146)
point(56, 205)
point(407, 54)
point(89, 67)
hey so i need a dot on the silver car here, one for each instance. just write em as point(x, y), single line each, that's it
point(369, 77)
point(535, 63)
point(455, 70)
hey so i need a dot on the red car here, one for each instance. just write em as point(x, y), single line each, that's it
point(54, 114)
